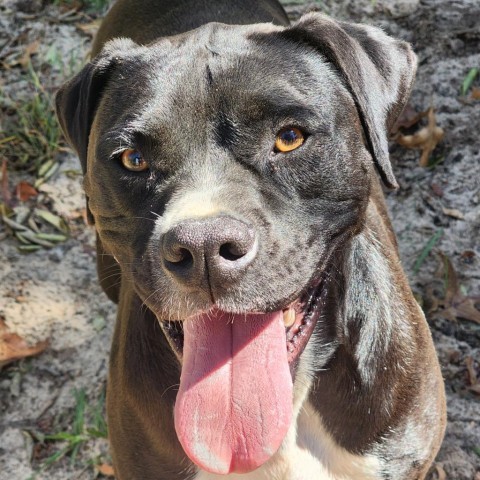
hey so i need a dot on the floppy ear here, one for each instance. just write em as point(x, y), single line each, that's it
point(77, 100)
point(76, 104)
point(378, 70)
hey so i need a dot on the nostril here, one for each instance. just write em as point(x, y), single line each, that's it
point(231, 251)
point(179, 257)
point(184, 256)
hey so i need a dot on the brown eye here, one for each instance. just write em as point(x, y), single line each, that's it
point(288, 139)
point(132, 160)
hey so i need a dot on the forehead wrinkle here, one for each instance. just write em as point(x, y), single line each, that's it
point(209, 77)
point(172, 86)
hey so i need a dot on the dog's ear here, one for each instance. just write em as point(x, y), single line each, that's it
point(378, 71)
point(78, 99)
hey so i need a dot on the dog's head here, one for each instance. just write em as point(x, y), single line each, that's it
point(224, 169)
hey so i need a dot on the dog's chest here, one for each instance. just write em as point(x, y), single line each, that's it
point(309, 453)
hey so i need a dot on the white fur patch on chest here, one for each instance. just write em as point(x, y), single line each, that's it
point(309, 452)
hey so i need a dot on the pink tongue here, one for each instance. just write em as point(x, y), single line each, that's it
point(234, 404)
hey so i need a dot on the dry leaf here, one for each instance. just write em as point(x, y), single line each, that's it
point(477, 476)
point(475, 388)
point(464, 307)
point(426, 139)
point(86, 221)
point(431, 301)
point(441, 475)
point(13, 347)
point(454, 213)
point(456, 304)
point(408, 118)
point(79, 213)
point(25, 191)
point(70, 7)
point(90, 28)
point(30, 50)
point(467, 256)
point(475, 93)
point(4, 185)
point(472, 374)
point(106, 470)
point(454, 357)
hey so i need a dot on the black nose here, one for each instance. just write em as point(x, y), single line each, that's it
point(215, 250)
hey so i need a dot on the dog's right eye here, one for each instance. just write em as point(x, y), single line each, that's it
point(132, 160)
point(288, 139)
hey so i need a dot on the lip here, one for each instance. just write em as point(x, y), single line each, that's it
point(306, 309)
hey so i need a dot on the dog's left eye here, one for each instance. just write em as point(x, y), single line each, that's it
point(132, 160)
point(289, 139)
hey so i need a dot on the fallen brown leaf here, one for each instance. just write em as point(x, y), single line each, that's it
point(472, 374)
point(25, 191)
point(426, 139)
point(431, 301)
point(475, 93)
point(13, 347)
point(477, 476)
point(90, 28)
point(4, 185)
point(454, 357)
point(72, 6)
point(30, 50)
point(467, 256)
point(456, 304)
point(464, 307)
point(475, 388)
point(441, 475)
point(454, 213)
point(408, 118)
point(106, 470)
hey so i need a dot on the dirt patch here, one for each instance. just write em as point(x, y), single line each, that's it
point(53, 294)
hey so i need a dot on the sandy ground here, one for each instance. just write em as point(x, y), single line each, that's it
point(53, 294)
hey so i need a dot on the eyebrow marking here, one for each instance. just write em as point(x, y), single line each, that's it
point(226, 132)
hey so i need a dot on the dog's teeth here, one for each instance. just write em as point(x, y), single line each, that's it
point(289, 317)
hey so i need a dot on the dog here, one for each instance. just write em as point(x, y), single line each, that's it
point(233, 167)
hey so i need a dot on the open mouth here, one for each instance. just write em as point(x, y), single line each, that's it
point(234, 404)
point(299, 318)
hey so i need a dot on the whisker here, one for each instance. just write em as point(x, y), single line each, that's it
point(175, 385)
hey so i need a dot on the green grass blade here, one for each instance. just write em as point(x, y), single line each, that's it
point(79, 418)
point(468, 80)
point(426, 250)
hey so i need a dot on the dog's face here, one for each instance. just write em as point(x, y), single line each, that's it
point(205, 114)
point(223, 169)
